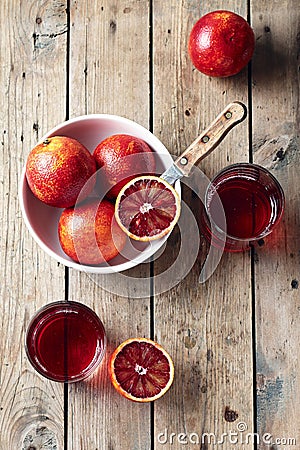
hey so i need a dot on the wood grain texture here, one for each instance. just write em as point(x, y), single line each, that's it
point(33, 100)
point(110, 74)
point(277, 263)
point(206, 328)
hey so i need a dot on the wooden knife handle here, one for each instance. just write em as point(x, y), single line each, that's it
point(233, 114)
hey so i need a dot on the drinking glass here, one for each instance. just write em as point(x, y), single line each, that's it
point(65, 341)
point(243, 204)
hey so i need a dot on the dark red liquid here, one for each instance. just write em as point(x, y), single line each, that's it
point(247, 207)
point(65, 342)
point(243, 203)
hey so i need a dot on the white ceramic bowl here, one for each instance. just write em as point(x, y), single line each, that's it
point(42, 220)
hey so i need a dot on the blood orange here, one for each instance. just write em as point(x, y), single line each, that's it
point(147, 208)
point(141, 370)
point(121, 158)
point(59, 169)
point(89, 233)
point(221, 43)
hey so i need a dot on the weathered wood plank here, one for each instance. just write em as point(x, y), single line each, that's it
point(206, 328)
point(277, 263)
point(32, 80)
point(110, 74)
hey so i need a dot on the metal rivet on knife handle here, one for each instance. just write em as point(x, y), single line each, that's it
point(183, 161)
point(228, 115)
point(205, 139)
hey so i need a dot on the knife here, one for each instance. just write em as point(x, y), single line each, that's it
point(208, 140)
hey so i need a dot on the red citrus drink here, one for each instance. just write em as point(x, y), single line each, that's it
point(243, 203)
point(65, 341)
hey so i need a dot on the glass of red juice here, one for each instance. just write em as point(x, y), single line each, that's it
point(65, 341)
point(243, 204)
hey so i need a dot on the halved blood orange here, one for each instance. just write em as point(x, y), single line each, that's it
point(147, 208)
point(141, 370)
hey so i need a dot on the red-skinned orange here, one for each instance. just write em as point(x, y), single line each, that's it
point(122, 157)
point(89, 234)
point(58, 169)
point(221, 43)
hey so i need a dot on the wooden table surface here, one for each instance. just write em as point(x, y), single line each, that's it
point(234, 339)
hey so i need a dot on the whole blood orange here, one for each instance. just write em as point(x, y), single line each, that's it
point(221, 43)
point(58, 169)
point(122, 157)
point(147, 208)
point(89, 233)
point(141, 370)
